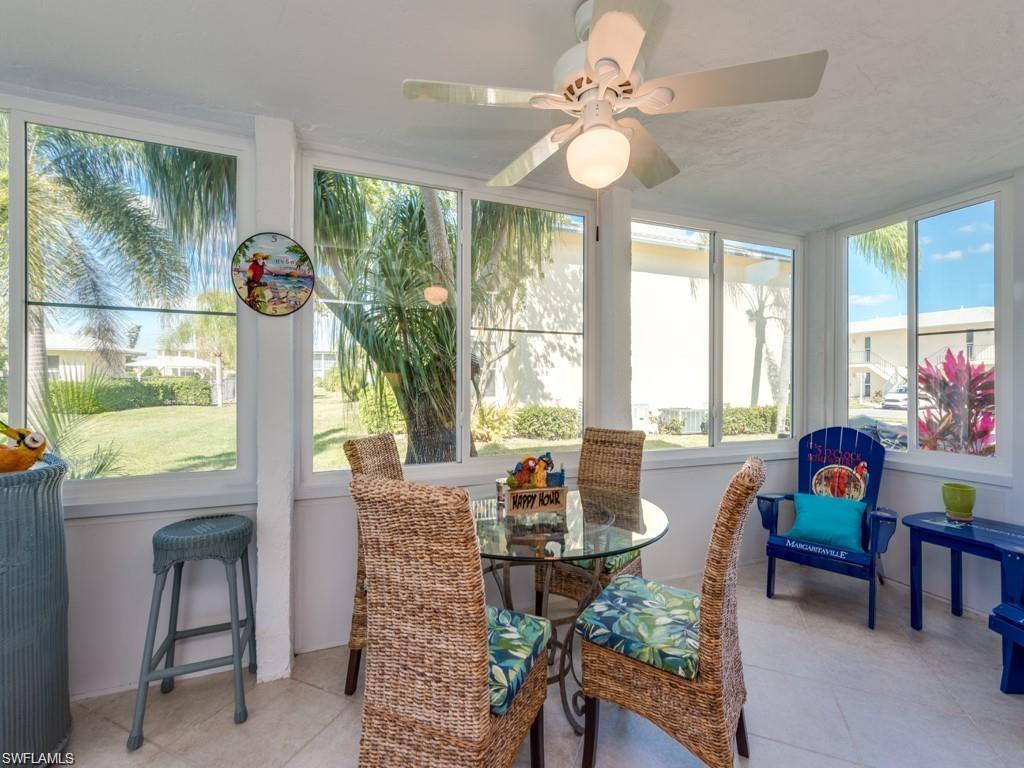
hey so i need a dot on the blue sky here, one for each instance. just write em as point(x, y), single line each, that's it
point(955, 267)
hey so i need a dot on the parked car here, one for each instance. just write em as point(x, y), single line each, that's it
point(897, 398)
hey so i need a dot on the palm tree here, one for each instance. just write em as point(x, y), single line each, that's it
point(210, 335)
point(378, 246)
point(114, 222)
point(886, 248)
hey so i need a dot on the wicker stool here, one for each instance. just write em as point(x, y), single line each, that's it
point(219, 537)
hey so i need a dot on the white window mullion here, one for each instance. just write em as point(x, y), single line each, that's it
point(463, 317)
point(717, 399)
point(912, 335)
point(17, 224)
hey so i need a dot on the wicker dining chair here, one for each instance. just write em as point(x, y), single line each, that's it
point(376, 456)
point(610, 459)
point(437, 691)
point(673, 656)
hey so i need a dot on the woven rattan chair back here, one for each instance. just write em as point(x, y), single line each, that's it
point(376, 456)
point(719, 635)
point(427, 668)
point(611, 458)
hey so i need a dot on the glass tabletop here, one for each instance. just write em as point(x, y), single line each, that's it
point(596, 523)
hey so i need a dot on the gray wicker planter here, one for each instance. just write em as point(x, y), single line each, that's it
point(35, 706)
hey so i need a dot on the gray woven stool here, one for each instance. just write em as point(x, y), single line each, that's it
point(219, 537)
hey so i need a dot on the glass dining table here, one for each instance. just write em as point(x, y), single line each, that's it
point(596, 524)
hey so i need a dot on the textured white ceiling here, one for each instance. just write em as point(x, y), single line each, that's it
point(920, 96)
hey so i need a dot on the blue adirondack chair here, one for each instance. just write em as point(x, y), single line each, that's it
point(835, 461)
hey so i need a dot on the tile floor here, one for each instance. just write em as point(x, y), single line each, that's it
point(823, 692)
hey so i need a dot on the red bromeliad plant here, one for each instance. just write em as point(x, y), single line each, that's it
point(957, 403)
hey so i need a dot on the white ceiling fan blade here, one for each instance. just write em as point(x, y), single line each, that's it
point(532, 158)
point(647, 161)
point(485, 95)
point(790, 77)
point(617, 31)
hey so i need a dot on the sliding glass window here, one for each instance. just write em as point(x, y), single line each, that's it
point(130, 315)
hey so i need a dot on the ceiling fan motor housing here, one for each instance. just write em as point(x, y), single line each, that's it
point(571, 79)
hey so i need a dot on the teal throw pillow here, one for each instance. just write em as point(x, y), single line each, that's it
point(829, 521)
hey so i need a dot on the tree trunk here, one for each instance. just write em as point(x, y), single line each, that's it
point(782, 396)
point(36, 375)
point(437, 234)
point(431, 440)
point(755, 383)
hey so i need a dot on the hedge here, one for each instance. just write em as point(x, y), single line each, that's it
point(546, 422)
point(758, 420)
point(378, 417)
point(127, 394)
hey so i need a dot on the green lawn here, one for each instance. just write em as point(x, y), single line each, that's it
point(170, 438)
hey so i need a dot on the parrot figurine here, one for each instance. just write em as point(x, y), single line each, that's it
point(524, 471)
point(28, 448)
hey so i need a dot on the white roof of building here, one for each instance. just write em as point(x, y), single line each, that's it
point(973, 316)
point(163, 361)
point(76, 342)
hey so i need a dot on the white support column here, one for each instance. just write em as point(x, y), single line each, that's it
point(817, 333)
point(276, 163)
point(610, 315)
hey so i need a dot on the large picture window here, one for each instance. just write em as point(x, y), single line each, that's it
point(923, 290)
point(130, 317)
point(527, 329)
point(680, 391)
point(385, 317)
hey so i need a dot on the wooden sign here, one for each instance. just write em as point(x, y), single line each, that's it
point(527, 500)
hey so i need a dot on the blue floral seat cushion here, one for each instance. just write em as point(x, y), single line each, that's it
point(611, 564)
point(514, 641)
point(647, 621)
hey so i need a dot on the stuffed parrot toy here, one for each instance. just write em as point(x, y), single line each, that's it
point(28, 448)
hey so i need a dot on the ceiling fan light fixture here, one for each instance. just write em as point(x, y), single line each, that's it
point(598, 156)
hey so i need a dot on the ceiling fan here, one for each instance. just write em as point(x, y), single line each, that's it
point(602, 77)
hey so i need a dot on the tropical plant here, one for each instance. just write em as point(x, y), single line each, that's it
point(886, 248)
point(210, 335)
point(378, 245)
point(956, 406)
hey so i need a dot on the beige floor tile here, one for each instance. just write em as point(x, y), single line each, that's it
point(1007, 739)
point(336, 746)
point(561, 743)
point(765, 753)
point(98, 743)
point(625, 739)
point(796, 711)
point(192, 701)
point(283, 717)
point(894, 733)
point(326, 669)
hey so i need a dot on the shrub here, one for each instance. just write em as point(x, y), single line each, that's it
point(331, 380)
point(380, 415)
point(957, 400)
point(187, 390)
point(127, 394)
point(547, 422)
point(491, 423)
point(757, 420)
point(3, 395)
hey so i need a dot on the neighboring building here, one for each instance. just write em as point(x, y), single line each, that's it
point(74, 356)
point(878, 347)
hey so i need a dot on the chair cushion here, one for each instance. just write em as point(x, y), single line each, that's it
point(829, 521)
point(514, 641)
point(647, 621)
point(612, 564)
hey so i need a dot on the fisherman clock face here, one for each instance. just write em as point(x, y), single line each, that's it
point(272, 274)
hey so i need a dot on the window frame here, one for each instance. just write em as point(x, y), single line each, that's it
point(995, 470)
point(465, 470)
point(140, 493)
point(717, 450)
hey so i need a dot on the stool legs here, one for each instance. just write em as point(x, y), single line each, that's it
point(236, 646)
point(250, 612)
point(135, 737)
point(167, 684)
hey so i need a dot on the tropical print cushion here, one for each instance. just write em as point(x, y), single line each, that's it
point(611, 564)
point(514, 641)
point(647, 621)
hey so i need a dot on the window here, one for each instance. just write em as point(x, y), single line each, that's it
point(757, 335)
point(670, 298)
point(944, 319)
point(674, 289)
point(526, 369)
point(385, 316)
point(128, 248)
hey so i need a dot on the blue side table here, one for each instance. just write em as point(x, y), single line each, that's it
point(993, 540)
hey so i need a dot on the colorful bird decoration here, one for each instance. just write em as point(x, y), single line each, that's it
point(535, 472)
point(28, 448)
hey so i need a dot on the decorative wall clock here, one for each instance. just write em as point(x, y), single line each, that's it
point(272, 274)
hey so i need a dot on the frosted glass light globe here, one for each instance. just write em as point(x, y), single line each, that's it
point(435, 294)
point(598, 156)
